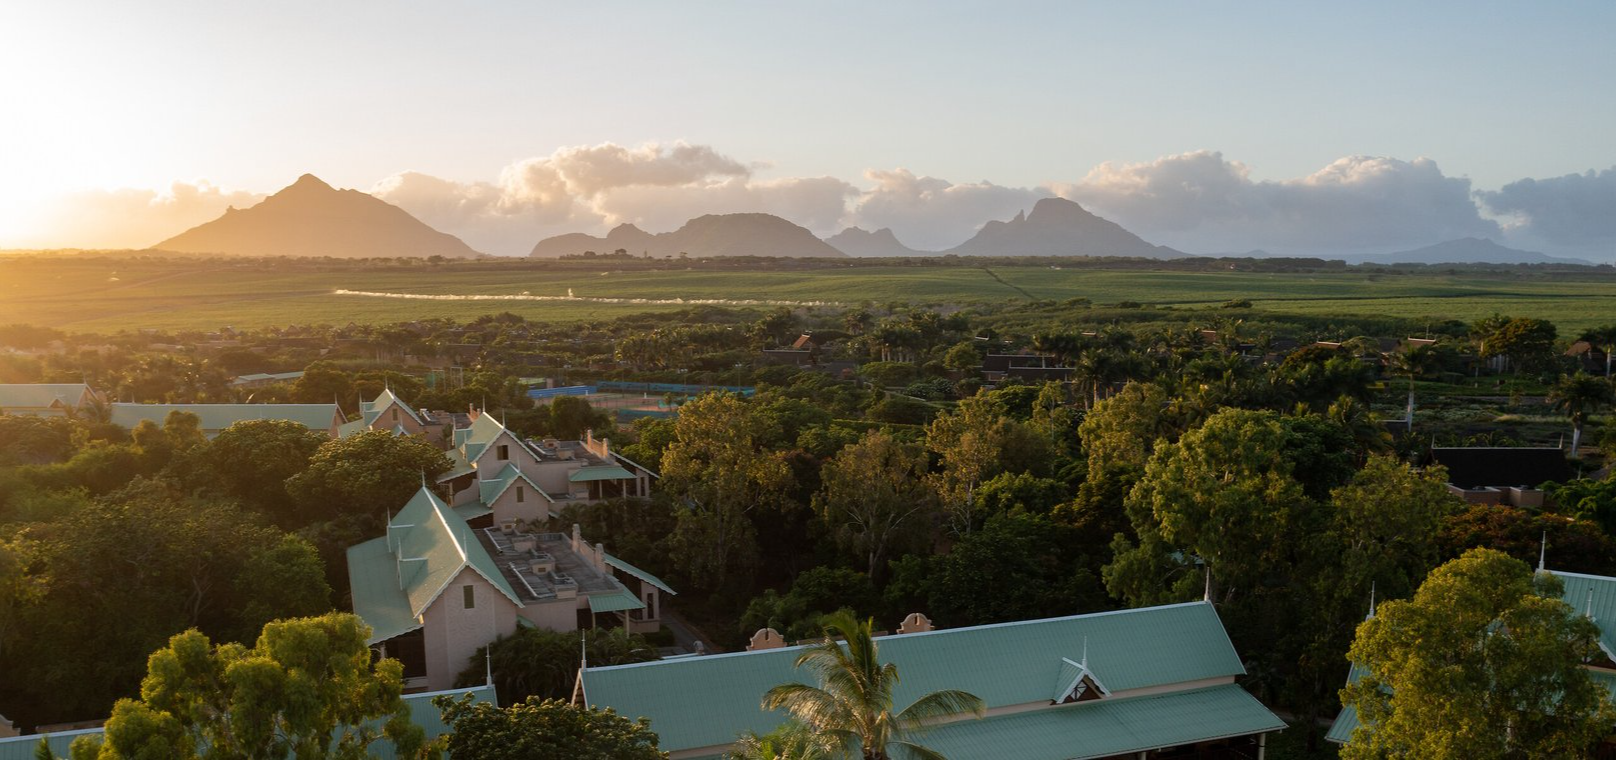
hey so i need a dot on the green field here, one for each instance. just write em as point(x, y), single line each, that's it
point(104, 295)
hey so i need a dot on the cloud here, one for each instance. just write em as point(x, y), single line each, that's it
point(128, 217)
point(1200, 202)
point(934, 214)
point(592, 188)
point(1570, 215)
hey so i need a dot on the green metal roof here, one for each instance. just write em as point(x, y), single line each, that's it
point(641, 574)
point(1348, 719)
point(473, 439)
point(599, 472)
point(1106, 727)
point(705, 701)
point(473, 510)
point(370, 410)
point(617, 601)
point(1594, 595)
point(216, 417)
point(422, 713)
point(41, 395)
point(489, 490)
point(426, 546)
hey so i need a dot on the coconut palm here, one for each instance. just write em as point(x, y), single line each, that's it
point(1577, 396)
point(853, 705)
point(790, 741)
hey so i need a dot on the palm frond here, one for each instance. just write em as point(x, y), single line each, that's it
point(939, 704)
point(918, 751)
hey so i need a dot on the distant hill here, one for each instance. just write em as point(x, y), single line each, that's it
point(705, 236)
point(1463, 251)
point(879, 244)
point(311, 218)
point(1059, 227)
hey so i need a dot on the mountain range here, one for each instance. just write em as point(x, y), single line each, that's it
point(710, 235)
point(311, 218)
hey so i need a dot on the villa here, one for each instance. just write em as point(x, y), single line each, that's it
point(434, 589)
point(1154, 682)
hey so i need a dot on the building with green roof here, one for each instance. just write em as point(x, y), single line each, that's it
point(45, 399)
point(434, 589)
point(214, 418)
point(1137, 683)
point(422, 713)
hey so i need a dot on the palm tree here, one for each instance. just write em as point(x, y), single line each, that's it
point(853, 705)
point(789, 741)
point(1577, 396)
point(1414, 362)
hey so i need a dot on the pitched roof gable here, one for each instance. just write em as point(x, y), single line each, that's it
point(432, 544)
point(489, 491)
point(370, 410)
point(42, 395)
point(1595, 596)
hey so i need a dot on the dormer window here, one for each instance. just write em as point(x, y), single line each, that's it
point(1076, 683)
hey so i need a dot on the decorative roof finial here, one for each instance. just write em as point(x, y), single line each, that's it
point(1083, 662)
point(1372, 601)
point(488, 665)
point(1207, 591)
point(1543, 542)
point(583, 651)
point(1589, 605)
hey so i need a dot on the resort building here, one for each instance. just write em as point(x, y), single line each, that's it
point(434, 589)
point(1502, 474)
point(389, 412)
point(1155, 682)
point(214, 418)
point(521, 480)
point(45, 399)
point(1594, 596)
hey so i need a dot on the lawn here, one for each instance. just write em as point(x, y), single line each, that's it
point(88, 294)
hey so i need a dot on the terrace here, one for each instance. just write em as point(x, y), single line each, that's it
point(543, 566)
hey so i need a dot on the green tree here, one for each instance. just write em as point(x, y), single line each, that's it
point(547, 729)
point(1038, 566)
point(789, 741)
point(874, 497)
point(963, 357)
point(969, 443)
point(718, 464)
point(853, 703)
point(1484, 661)
point(307, 688)
point(366, 474)
point(323, 384)
point(252, 460)
point(1527, 343)
point(543, 664)
point(1577, 396)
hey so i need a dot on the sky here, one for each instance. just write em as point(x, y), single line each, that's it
point(1290, 127)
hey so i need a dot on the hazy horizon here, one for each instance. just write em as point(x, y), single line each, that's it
point(1304, 131)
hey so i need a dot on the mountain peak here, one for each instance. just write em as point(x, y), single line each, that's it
point(882, 243)
point(745, 234)
point(309, 182)
point(1059, 227)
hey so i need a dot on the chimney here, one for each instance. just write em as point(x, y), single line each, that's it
point(915, 622)
point(765, 638)
point(577, 538)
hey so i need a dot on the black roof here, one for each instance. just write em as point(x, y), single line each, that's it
point(1502, 467)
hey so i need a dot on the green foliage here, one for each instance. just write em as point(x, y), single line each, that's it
point(874, 498)
point(1019, 493)
point(888, 374)
point(538, 663)
point(38, 440)
point(1035, 567)
point(853, 704)
point(306, 689)
point(1590, 500)
point(901, 410)
point(653, 437)
point(1578, 546)
point(799, 613)
point(366, 474)
point(253, 459)
point(544, 730)
point(1484, 661)
point(1528, 343)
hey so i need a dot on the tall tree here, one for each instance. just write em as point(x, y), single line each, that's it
point(1577, 396)
point(307, 688)
point(969, 443)
point(853, 703)
point(1484, 661)
point(874, 497)
point(547, 728)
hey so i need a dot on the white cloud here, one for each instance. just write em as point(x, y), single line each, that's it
point(931, 213)
point(128, 217)
point(1199, 202)
point(1571, 215)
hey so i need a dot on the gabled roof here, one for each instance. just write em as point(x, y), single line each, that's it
point(41, 395)
point(1348, 719)
point(427, 545)
point(483, 431)
point(422, 713)
point(1502, 467)
point(490, 490)
point(318, 417)
point(1070, 676)
point(599, 472)
point(705, 701)
point(370, 410)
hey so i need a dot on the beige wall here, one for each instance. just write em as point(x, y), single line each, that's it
point(489, 461)
point(534, 507)
point(453, 633)
point(559, 615)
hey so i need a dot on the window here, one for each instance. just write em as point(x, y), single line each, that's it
point(504, 452)
point(470, 596)
point(395, 415)
point(519, 494)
